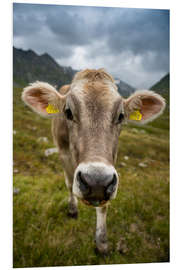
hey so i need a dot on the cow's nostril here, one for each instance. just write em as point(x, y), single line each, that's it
point(111, 187)
point(83, 184)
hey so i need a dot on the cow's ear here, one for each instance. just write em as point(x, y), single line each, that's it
point(64, 89)
point(43, 99)
point(143, 106)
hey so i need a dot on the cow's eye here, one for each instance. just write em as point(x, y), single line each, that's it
point(68, 114)
point(120, 118)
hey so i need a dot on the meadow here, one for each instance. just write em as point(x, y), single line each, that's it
point(137, 221)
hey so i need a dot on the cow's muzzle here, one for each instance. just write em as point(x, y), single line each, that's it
point(95, 183)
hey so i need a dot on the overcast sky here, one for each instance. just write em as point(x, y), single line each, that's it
point(131, 44)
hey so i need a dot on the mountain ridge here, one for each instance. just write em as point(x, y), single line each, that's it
point(162, 87)
point(124, 88)
point(28, 66)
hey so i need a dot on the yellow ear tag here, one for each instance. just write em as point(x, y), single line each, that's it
point(136, 115)
point(51, 109)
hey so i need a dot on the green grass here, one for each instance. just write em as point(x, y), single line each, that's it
point(137, 221)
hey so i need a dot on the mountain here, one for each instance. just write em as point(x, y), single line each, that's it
point(162, 87)
point(123, 88)
point(29, 66)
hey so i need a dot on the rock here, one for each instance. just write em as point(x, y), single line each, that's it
point(126, 157)
point(143, 165)
point(16, 191)
point(50, 151)
point(122, 164)
point(43, 139)
point(133, 227)
point(31, 127)
point(15, 170)
point(122, 246)
point(135, 130)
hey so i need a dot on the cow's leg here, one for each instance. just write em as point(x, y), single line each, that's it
point(101, 237)
point(73, 210)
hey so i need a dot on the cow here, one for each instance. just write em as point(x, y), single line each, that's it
point(87, 117)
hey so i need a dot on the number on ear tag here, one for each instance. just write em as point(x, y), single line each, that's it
point(51, 109)
point(136, 115)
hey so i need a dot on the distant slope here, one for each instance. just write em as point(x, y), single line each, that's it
point(123, 88)
point(29, 66)
point(162, 87)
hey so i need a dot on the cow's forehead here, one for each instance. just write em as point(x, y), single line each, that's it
point(98, 91)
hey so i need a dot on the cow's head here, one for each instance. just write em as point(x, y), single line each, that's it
point(94, 113)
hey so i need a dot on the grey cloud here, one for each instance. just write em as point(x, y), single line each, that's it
point(27, 19)
point(139, 31)
point(155, 61)
point(126, 29)
point(44, 44)
point(110, 37)
point(67, 27)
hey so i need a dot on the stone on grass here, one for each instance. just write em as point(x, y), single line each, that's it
point(43, 139)
point(50, 151)
point(143, 165)
point(122, 246)
point(16, 191)
point(31, 127)
point(133, 228)
point(143, 131)
point(135, 130)
point(122, 164)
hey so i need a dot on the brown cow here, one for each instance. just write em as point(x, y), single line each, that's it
point(87, 121)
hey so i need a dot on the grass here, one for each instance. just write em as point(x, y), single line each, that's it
point(138, 219)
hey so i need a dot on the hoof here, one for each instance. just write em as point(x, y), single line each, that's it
point(73, 215)
point(101, 252)
point(102, 248)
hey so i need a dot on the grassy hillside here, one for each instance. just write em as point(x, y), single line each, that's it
point(162, 88)
point(138, 219)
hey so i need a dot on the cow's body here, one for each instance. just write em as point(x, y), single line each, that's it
point(86, 134)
